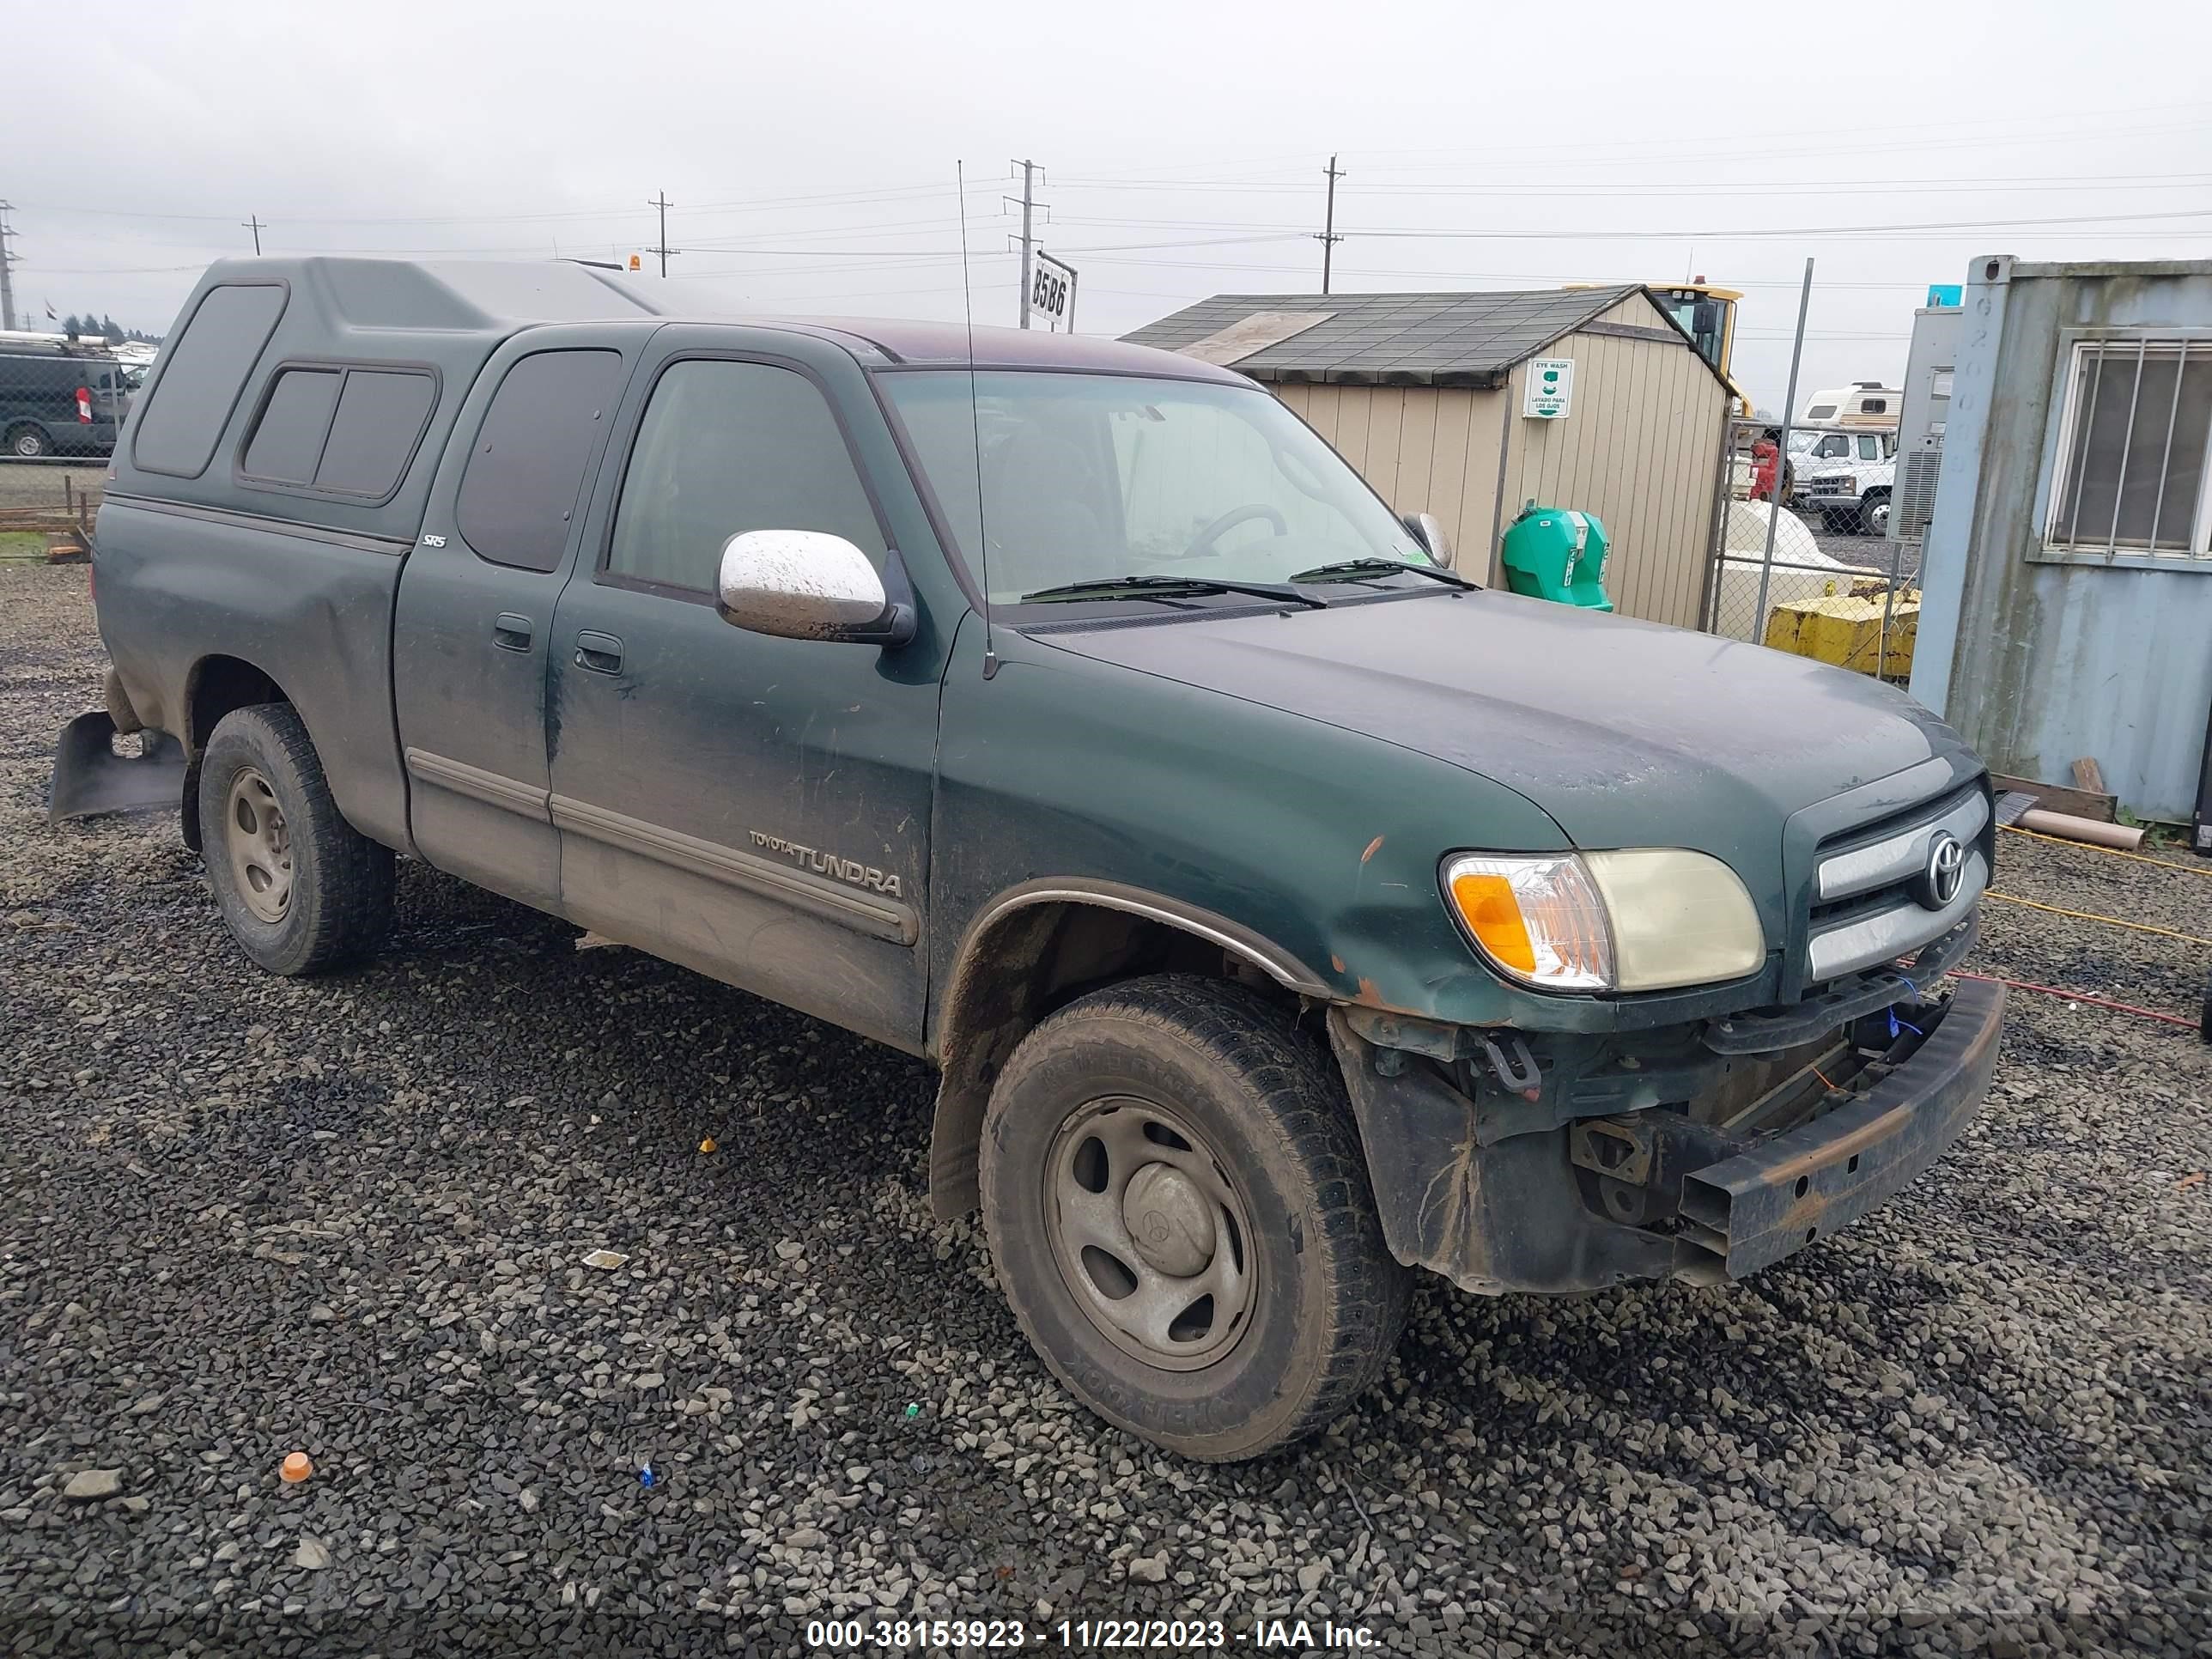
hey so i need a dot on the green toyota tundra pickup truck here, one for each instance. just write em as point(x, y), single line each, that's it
point(1283, 910)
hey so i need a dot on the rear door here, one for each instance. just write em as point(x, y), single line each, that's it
point(755, 808)
point(476, 606)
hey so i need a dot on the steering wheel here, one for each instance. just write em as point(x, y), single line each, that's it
point(1229, 521)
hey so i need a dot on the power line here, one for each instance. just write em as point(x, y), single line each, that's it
point(2011, 185)
point(1674, 234)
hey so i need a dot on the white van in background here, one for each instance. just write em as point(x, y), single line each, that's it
point(1846, 476)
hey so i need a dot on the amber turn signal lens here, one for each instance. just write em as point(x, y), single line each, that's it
point(1486, 904)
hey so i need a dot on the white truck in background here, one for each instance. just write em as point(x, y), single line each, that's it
point(1847, 478)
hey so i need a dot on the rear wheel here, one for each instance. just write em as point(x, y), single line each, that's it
point(301, 888)
point(28, 443)
point(1179, 1214)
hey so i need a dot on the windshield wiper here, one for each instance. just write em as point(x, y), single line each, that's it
point(1351, 569)
point(1147, 587)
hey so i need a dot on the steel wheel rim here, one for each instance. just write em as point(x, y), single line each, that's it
point(1151, 1236)
point(260, 843)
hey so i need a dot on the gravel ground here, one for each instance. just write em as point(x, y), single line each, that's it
point(246, 1215)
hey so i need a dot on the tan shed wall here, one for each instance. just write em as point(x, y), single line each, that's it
point(1639, 451)
point(1425, 449)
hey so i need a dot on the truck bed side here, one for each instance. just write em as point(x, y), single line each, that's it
point(195, 603)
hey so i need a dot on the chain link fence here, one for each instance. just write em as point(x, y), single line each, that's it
point(1821, 578)
point(46, 510)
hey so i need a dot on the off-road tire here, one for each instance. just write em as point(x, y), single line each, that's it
point(26, 441)
point(340, 905)
point(1329, 1302)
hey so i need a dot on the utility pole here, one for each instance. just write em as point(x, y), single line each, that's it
point(1328, 238)
point(7, 263)
point(254, 225)
point(1029, 204)
point(662, 202)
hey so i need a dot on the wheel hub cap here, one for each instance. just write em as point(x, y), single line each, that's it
point(1151, 1236)
point(1168, 1220)
point(260, 843)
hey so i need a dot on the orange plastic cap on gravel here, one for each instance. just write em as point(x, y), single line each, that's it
point(296, 1468)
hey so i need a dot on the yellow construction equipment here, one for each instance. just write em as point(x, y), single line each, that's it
point(1707, 315)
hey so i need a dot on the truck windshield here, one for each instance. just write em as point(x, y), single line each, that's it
point(1087, 477)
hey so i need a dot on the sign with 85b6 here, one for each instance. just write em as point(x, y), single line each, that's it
point(1549, 392)
point(1052, 293)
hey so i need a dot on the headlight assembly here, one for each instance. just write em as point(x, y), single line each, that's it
point(1645, 919)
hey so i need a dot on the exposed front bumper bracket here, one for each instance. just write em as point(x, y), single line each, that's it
point(1750, 1211)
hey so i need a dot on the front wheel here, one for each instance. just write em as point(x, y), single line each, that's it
point(29, 443)
point(1874, 515)
point(1179, 1214)
point(301, 889)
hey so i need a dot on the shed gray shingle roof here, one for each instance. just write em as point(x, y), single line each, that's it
point(1386, 339)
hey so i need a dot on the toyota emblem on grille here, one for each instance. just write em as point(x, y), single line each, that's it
point(1944, 873)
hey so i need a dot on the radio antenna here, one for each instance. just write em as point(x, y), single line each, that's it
point(975, 428)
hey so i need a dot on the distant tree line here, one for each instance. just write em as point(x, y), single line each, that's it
point(88, 326)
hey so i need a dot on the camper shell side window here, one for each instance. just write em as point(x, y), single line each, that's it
point(340, 430)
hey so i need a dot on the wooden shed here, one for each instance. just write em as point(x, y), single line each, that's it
point(1428, 395)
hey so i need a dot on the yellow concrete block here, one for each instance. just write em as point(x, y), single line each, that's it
point(1846, 630)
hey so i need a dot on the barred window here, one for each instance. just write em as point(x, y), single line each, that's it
point(2133, 449)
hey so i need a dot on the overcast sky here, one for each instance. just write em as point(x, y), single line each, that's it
point(810, 148)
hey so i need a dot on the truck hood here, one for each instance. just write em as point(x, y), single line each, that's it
point(1628, 733)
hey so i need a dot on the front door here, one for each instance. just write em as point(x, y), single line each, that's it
point(753, 808)
point(475, 613)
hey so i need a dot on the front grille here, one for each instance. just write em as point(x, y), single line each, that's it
point(1867, 885)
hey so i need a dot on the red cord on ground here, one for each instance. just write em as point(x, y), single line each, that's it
point(2077, 996)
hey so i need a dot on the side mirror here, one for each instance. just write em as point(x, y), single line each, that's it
point(1429, 530)
point(809, 585)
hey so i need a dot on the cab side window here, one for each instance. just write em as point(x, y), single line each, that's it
point(726, 447)
point(1869, 447)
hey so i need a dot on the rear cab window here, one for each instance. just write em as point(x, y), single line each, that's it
point(203, 372)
